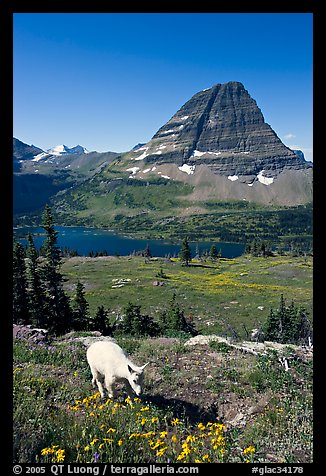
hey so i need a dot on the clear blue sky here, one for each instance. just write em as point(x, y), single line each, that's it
point(108, 81)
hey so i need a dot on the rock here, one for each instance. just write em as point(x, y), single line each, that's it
point(28, 332)
point(158, 283)
point(203, 340)
point(238, 420)
point(87, 341)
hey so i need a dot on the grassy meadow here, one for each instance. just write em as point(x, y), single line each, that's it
point(233, 291)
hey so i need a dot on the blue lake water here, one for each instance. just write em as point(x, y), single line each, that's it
point(84, 240)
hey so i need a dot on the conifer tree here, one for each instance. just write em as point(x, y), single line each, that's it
point(36, 292)
point(213, 253)
point(59, 311)
point(100, 321)
point(20, 297)
point(185, 252)
point(80, 309)
point(173, 319)
point(288, 324)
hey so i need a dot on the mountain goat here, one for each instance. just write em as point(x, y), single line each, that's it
point(109, 364)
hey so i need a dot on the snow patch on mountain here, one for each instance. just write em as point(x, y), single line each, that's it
point(263, 179)
point(60, 150)
point(189, 169)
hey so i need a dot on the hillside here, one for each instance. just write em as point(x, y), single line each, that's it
point(202, 403)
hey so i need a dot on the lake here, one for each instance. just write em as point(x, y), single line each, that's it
point(84, 240)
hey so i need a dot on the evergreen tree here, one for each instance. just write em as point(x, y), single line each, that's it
point(100, 321)
point(147, 252)
point(185, 252)
point(213, 253)
point(173, 319)
point(138, 324)
point(80, 314)
point(59, 311)
point(36, 291)
point(20, 297)
point(288, 324)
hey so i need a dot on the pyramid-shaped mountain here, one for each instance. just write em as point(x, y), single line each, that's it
point(220, 138)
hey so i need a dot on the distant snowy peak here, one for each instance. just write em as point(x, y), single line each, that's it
point(60, 150)
point(64, 150)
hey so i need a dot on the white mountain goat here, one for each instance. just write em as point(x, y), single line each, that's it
point(110, 364)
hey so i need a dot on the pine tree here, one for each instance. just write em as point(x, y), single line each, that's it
point(138, 324)
point(80, 314)
point(288, 324)
point(59, 312)
point(100, 321)
point(147, 252)
point(20, 298)
point(213, 253)
point(185, 252)
point(173, 319)
point(36, 291)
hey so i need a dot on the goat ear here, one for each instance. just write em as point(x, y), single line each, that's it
point(130, 369)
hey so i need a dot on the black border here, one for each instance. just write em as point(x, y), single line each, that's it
point(6, 129)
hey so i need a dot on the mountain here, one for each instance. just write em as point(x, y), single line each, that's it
point(220, 143)
point(22, 151)
point(59, 151)
point(39, 175)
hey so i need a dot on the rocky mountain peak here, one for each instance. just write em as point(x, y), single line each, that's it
point(223, 128)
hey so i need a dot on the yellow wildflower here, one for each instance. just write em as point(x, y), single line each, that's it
point(154, 420)
point(87, 448)
point(144, 409)
point(206, 458)
point(190, 438)
point(143, 421)
point(137, 400)
point(174, 438)
point(157, 444)
point(120, 442)
point(186, 449)
point(181, 456)
point(175, 422)
point(92, 443)
point(111, 430)
point(201, 426)
point(46, 451)
point(108, 440)
point(250, 450)
point(163, 434)
point(60, 454)
point(161, 451)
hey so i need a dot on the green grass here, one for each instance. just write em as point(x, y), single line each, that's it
point(231, 291)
